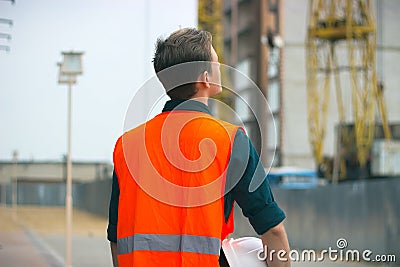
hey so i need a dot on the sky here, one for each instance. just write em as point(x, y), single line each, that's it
point(117, 38)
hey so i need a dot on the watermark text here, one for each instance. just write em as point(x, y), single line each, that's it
point(340, 253)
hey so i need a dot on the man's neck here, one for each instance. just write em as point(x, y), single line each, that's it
point(203, 100)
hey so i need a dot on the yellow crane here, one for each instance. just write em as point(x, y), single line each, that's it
point(210, 19)
point(341, 47)
point(210, 13)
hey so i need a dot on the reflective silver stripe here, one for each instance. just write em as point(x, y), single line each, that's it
point(171, 243)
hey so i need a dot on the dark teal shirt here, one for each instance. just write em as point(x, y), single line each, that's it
point(246, 182)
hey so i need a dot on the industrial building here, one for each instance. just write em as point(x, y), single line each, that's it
point(296, 149)
point(267, 41)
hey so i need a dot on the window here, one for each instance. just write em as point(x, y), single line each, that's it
point(273, 63)
point(273, 96)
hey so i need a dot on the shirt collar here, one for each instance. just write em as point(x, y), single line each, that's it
point(183, 104)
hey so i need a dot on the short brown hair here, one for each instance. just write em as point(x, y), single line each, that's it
point(184, 45)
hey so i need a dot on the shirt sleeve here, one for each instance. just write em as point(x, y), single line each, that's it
point(113, 210)
point(248, 186)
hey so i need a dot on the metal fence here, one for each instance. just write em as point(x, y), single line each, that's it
point(93, 197)
point(366, 213)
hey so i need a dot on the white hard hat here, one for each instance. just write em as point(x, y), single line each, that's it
point(243, 251)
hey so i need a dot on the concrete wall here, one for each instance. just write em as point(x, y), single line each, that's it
point(365, 213)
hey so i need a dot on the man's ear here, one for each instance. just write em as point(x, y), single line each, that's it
point(204, 79)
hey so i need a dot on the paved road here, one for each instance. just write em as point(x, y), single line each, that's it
point(25, 248)
point(35, 238)
point(28, 249)
point(17, 249)
point(86, 251)
point(29, 242)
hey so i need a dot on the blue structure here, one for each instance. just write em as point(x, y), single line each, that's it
point(293, 178)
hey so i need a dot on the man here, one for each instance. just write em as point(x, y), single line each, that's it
point(177, 176)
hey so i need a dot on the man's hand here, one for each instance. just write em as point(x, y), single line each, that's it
point(275, 239)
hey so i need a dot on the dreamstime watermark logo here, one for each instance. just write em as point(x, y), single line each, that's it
point(250, 104)
point(340, 253)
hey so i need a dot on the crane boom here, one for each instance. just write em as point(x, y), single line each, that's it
point(345, 28)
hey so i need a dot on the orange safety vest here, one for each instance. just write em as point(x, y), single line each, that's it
point(171, 173)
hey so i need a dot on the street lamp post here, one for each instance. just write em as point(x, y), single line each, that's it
point(14, 182)
point(69, 69)
point(4, 194)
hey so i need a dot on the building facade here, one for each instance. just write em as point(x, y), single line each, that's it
point(250, 31)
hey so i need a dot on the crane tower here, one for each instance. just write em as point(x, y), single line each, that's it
point(341, 44)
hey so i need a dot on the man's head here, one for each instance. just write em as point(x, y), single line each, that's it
point(182, 46)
